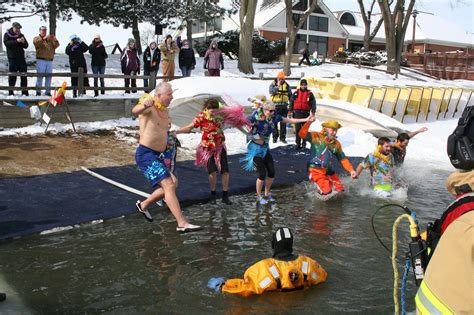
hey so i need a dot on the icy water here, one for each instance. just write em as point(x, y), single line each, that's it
point(130, 266)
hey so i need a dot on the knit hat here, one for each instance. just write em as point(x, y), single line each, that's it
point(97, 36)
point(303, 81)
point(281, 75)
point(16, 24)
point(73, 36)
point(332, 124)
point(460, 182)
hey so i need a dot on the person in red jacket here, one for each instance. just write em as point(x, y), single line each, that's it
point(302, 104)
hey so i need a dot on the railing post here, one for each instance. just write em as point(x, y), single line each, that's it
point(80, 81)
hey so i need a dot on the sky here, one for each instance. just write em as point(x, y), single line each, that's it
point(459, 12)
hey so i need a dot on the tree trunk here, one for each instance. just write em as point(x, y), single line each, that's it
point(392, 67)
point(189, 32)
point(53, 12)
point(247, 17)
point(189, 25)
point(136, 35)
point(290, 45)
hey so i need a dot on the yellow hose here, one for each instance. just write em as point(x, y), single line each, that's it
point(413, 233)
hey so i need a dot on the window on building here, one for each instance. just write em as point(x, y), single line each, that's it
point(319, 44)
point(347, 19)
point(303, 5)
point(318, 23)
point(300, 43)
point(296, 18)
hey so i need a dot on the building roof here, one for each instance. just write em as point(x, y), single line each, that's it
point(436, 30)
point(429, 29)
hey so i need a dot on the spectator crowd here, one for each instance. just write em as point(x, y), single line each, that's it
point(130, 60)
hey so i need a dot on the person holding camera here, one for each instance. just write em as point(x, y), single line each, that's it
point(187, 61)
point(75, 50)
point(98, 53)
point(16, 43)
point(151, 63)
point(45, 46)
point(213, 60)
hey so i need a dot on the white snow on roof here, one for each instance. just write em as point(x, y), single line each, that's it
point(265, 14)
point(429, 29)
point(434, 29)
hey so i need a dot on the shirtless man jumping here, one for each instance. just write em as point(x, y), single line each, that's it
point(150, 156)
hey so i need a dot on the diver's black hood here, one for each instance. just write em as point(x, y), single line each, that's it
point(282, 244)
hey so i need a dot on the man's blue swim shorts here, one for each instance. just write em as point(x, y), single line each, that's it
point(152, 164)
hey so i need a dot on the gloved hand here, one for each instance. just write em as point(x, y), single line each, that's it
point(216, 283)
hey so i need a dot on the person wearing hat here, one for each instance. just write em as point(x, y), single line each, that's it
point(16, 43)
point(280, 94)
point(302, 104)
point(447, 283)
point(130, 62)
point(258, 157)
point(285, 271)
point(381, 164)
point(75, 50)
point(168, 49)
point(98, 53)
point(151, 64)
point(325, 148)
point(213, 60)
point(45, 46)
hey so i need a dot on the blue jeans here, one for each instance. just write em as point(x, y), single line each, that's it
point(44, 66)
point(98, 70)
point(186, 71)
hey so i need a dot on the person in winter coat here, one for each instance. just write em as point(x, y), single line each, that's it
point(16, 43)
point(168, 49)
point(98, 53)
point(187, 61)
point(130, 62)
point(213, 60)
point(151, 63)
point(45, 45)
point(75, 50)
point(305, 56)
point(302, 104)
point(280, 94)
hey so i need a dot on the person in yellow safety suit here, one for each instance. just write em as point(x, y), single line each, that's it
point(283, 272)
point(447, 287)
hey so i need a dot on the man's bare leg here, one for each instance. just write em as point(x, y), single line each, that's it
point(169, 189)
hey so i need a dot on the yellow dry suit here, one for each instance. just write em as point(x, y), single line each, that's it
point(271, 274)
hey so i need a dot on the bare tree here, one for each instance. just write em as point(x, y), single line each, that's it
point(247, 18)
point(293, 24)
point(395, 23)
point(366, 17)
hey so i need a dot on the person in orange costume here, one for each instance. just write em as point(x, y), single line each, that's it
point(325, 148)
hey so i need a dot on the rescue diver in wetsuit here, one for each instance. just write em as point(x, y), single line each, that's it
point(285, 271)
